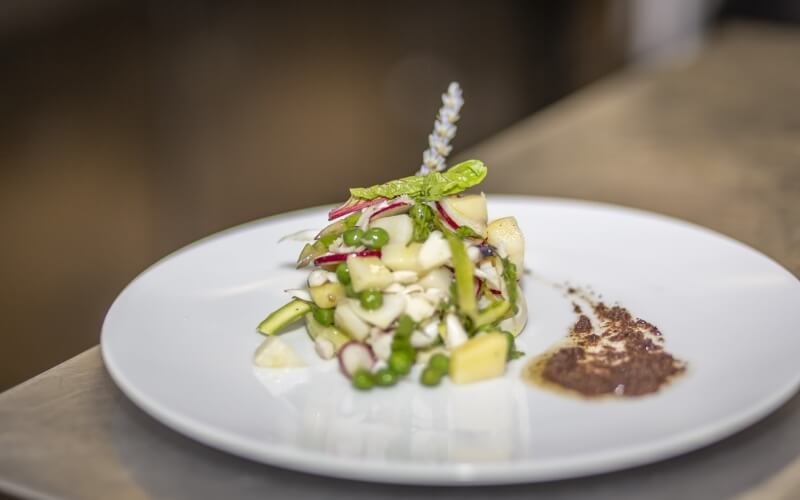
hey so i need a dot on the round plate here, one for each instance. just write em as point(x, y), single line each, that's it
point(180, 338)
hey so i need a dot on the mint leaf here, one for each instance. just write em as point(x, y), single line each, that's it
point(411, 186)
point(431, 187)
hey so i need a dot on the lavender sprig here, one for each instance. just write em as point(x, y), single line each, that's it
point(444, 129)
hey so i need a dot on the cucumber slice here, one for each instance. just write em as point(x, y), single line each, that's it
point(315, 329)
point(283, 317)
point(340, 226)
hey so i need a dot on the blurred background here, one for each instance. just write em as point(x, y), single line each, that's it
point(130, 129)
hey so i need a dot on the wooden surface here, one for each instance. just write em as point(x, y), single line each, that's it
point(714, 140)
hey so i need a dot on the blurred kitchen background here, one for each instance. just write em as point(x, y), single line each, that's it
point(131, 128)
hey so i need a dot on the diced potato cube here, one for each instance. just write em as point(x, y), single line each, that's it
point(480, 358)
point(327, 295)
point(368, 273)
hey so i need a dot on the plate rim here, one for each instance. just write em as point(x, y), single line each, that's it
point(450, 474)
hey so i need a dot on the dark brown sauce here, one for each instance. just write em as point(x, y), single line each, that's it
point(612, 354)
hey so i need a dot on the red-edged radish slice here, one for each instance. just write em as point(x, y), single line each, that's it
point(445, 217)
point(352, 205)
point(393, 208)
point(354, 356)
point(335, 258)
point(450, 209)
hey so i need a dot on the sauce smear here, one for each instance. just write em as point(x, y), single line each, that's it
point(612, 353)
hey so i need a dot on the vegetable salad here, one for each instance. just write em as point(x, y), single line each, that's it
point(409, 272)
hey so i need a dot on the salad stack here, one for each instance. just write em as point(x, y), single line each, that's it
point(410, 272)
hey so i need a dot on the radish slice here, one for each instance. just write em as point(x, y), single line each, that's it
point(352, 205)
point(335, 258)
point(354, 356)
point(393, 208)
point(445, 217)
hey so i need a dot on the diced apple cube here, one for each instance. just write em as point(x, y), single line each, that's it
point(480, 358)
point(401, 257)
point(346, 319)
point(327, 295)
point(275, 353)
point(400, 228)
point(405, 277)
point(505, 235)
point(469, 211)
point(472, 206)
point(368, 273)
point(439, 279)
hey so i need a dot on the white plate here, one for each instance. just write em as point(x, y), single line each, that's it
point(179, 340)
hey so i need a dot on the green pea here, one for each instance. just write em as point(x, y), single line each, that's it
point(323, 316)
point(431, 376)
point(401, 344)
point(385, 377)
point(343, 274)
point(439, 362)
point(371, 299)
point(375, 237)
point(421, 212)
point(421, 233)
point(352, 237)
point(405, 326)
point(400, 362)
point(363, 380)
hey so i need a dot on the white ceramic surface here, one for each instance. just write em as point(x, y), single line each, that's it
point(179, 340)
